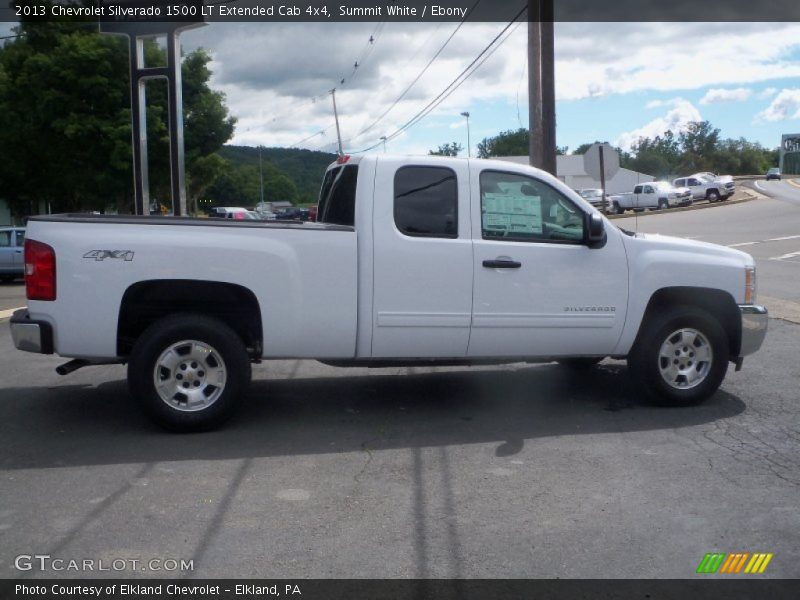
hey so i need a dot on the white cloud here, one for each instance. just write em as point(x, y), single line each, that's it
point(676, 119)
point(717, 95)
point(661, 103)
point(270, 70)
point(767, 93)
point(786, 105)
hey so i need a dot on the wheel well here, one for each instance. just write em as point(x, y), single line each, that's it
point(147, 301)
point(718, 303)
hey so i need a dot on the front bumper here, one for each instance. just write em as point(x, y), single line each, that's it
point(754, 328)
point(30, 335)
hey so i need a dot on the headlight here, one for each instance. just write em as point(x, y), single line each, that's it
point(750, 285)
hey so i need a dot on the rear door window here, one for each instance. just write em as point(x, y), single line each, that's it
point(426, 202)
point(337, 197)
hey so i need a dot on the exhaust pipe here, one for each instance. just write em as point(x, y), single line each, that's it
point(73, 365)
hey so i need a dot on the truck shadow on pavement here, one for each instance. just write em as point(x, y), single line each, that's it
point(85, 425)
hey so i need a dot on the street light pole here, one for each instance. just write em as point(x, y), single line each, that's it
point(261, 174)
point(383, 139)
point(469, 145)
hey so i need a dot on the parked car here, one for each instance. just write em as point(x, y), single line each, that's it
point(653, 195)
point(594, 196)
point(12, 240)
point(774, 173)
point(229, 212)
point(419, 260)
point(292, 214)
point(727, 186)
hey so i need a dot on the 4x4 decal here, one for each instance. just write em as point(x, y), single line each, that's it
point(126, 255)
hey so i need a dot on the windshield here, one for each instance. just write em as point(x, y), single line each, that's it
point(663, 186)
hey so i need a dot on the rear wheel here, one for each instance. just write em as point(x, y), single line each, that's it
point(680, 357)
point(188, 372)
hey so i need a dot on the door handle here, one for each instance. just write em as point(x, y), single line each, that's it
point(502, 264)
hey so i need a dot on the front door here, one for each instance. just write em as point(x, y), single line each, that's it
point(539, 289)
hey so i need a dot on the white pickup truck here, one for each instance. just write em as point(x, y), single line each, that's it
point(414, 261)
point(706, 187)
point(655, 195)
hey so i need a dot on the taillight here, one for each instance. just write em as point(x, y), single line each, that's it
point(40, 271)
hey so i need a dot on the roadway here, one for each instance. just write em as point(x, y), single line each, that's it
point(497, 472)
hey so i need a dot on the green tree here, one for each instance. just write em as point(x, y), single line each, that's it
point(505, 143)
point(65, 131)
point(447, 150)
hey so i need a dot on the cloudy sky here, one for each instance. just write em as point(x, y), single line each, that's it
point(614, 82)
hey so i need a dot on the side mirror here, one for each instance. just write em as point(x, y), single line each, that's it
point(595, 230)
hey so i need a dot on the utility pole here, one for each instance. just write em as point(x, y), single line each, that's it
point(541, 85)
point(383, 139)
point(336, 116)
point(548, 87)
point(469, 145)
point(535, 126)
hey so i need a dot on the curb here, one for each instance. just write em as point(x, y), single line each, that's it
point(748, 196)
point(6, 314)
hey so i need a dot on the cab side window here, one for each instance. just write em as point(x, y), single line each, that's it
point(5, 239)
point(426, 202)
point(522, 209)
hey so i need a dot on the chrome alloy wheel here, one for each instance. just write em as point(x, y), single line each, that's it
point(189, 375)
point(685, 358)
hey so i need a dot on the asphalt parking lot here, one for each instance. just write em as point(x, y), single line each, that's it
point(495, 472)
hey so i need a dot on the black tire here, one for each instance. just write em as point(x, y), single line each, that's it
point(7, 278)
point(645, 364)
point(663, 204)
point(712, 195)
point(224, 343)
point(580, 363)
point(618, 209)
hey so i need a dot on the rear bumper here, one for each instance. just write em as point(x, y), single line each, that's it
point(30, 335)
point(754, 328)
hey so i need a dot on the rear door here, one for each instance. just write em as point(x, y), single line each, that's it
point(6, 251)
point(422, 300)
point(17, 258)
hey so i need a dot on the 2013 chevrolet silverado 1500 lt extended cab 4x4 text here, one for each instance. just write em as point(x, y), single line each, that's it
point(412, 261)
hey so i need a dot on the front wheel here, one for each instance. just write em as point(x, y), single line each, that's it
point(712, 196)
point(618, 209)
point(188, 372)
point(663, 204)
point(680, 357)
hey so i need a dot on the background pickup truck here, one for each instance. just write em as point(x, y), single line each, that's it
point(704, 187)
point(656, 195)
point(424, 260)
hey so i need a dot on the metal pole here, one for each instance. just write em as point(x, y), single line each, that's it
point(604, 202)
point(141, 186)
point(177, 166)
point(261, 174)
point(336, 116)
point(548, 88)
point(383, 139)
point(469, 144)
point(534, 84)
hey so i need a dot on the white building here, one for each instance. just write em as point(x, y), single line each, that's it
point(570, 169)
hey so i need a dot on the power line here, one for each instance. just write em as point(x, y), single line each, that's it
point(453, 86)
point(421, 73)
